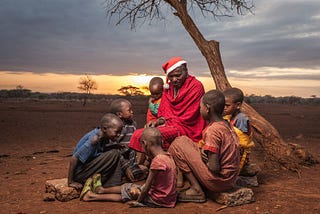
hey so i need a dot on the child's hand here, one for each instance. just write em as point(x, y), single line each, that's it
point(95, 140)
point(129, 174)
point(151, 123)
point(134, 193)
point(97, 137)
point(151, 99)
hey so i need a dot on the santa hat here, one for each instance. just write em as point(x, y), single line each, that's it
point(169, 66)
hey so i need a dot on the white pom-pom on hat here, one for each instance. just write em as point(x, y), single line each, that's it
point(166, 86)
point(169, 66)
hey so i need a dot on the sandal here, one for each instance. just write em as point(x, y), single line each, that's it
point(96, 182)
point(86, 188)
point(183, 197)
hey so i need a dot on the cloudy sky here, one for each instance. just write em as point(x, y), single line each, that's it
point(280, 42)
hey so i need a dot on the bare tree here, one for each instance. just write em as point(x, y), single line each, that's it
point(19, 87)
point(276, 149)
point(130, 90)
point(87, 85)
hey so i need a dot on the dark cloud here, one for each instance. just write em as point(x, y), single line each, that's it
point(285, 34)
point(74, 36)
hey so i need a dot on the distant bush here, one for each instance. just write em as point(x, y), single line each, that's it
point(28, 94)
point(293, 100)
point(15, 93)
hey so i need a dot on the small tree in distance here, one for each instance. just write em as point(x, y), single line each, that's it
point(19, 87)
point(130, 90)
point(87, 85)
point(145, 90)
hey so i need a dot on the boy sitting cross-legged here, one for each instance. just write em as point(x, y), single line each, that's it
point(211, 166)
point(94, 155)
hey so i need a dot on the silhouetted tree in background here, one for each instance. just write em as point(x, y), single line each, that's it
point(275, 148)
point(87, 85)
point(130, 90)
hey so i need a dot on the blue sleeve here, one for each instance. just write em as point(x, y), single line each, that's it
point(242, 123)
point(85, 150)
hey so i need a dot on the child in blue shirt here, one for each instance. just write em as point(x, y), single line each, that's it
point(94, 154)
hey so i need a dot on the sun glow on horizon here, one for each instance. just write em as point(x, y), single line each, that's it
point(140, 80)
point(109, 84)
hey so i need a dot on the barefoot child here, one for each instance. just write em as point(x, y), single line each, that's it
point(215, 165)
point(240, 122)
point(92, 154)
point(156, 89)
point(123, 109)
point(160, 187)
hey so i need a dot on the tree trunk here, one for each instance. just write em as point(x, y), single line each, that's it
point(264, 133)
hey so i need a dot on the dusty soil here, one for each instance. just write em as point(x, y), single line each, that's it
point(37, 139)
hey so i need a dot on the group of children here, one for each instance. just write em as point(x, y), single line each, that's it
point(102, 157)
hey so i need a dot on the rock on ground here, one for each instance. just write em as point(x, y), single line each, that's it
point(60, 189)
point(235, 197)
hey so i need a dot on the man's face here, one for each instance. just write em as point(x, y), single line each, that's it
point(178, 76)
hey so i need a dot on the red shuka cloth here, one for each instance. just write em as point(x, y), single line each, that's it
point(183, 111)
point(182, 114)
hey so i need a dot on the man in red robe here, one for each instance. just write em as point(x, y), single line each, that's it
point(178, 112)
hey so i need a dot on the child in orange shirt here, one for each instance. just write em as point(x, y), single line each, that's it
point(214, 166)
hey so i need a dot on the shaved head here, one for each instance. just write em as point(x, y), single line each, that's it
point(152, 135)
point(111, 120)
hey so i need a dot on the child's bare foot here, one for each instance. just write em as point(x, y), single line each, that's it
point(99, 190)
point(87, 196)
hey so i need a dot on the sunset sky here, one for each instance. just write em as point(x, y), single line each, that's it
point(48, 45)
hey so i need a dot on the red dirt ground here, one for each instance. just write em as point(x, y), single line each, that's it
point(37, 139)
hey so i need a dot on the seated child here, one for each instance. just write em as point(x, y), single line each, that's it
point(155, 88)
point(240, 122)
point(160, 187)
point(214, 166)
point(123, 109)
point(93, 155)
